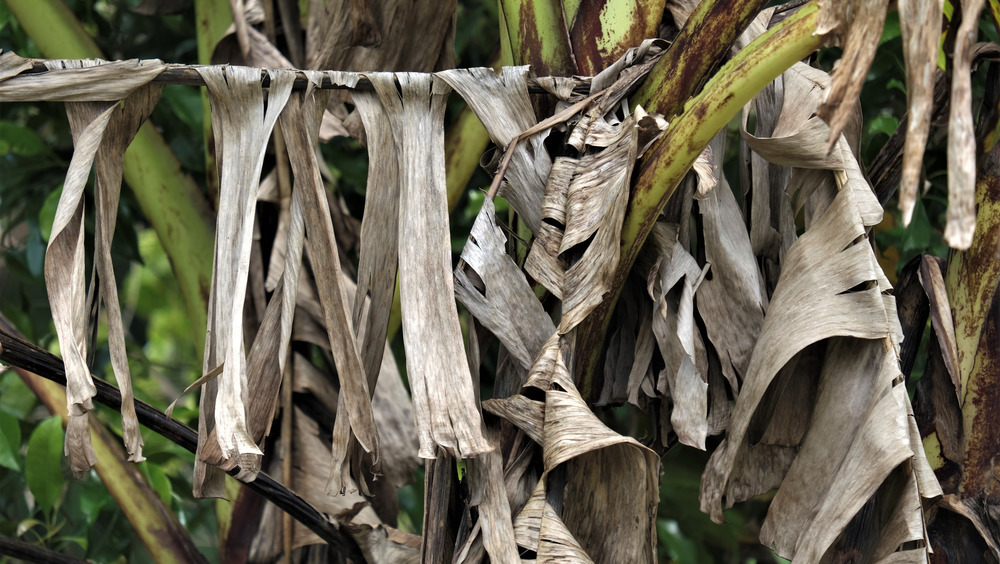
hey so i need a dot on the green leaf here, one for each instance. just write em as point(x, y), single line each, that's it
point(43, 463)
point(10, 441)
point(19, 140)
point(159, 480)
point(93, 497)
point(16, 398)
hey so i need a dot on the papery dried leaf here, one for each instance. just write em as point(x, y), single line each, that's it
point(543, 262)
point(920, 25)
point(942, 320)
point(856, 26)
point(64, 280)
point(66, 81)
point(335, 38)
point(600, 517)
point(242, 129)
point(123, 126)
point(505, 304)
point(729, 301)
point(77, 447)
point(596, 200)
point(310, 470)
point(440, 382)
point(961, 218)
point(501, 102)
point(495, 520)
point(385, 544)
point(11, 65)
point(640, 373)
point(858, 434)
point(674, 327)
point(379, 230)
point(831, 286)
point(103, 131)
point(356, 388)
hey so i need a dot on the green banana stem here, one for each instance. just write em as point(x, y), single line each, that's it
point(671, 157)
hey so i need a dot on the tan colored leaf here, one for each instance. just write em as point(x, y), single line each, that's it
point(101, 131)
point(674, 327)
point(68, 81)
point(123, 126)
point(495, 521)
point(942, 321)
point(442, 387)
point(601, 518)
point(242, 129)
point(596, 200)
point(379, 230)
point(543, 262)
point(729, 301)
point(920, 25)
point(831, 286)
point(497, 293)
point(64, 280)
point(12, 65)
point(356, 417)
point(961, 217)
point(341, 35)
point(501, 102)
point(855, 26)
point(310, 469)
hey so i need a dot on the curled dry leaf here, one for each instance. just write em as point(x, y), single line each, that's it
point(961, 217)
point(919, 23)
point(501, 102)
point(379, 230)
point(442, 387)
point(101, 131)
point(729, 301)
point(242, 129)
point(497, 293)
point(67, 81)
point(829, 274)
point(11, 65)
point(600, 518)
point(855, 26)
point(124, 124)
point(684, 376)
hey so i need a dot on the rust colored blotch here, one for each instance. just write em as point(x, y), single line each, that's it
point(979, 478)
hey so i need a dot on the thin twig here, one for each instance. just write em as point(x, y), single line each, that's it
point(547, 123)
point(20, 353)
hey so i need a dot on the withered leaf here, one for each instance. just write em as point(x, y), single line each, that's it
point(443, 396)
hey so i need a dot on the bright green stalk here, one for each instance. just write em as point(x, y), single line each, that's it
point(170, 199)
point(703, 117)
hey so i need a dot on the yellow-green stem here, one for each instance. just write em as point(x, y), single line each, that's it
point(672, 156)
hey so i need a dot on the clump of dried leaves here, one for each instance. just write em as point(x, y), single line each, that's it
point(773, 329)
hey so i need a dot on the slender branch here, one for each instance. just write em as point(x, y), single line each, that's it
point(188, 75)
point(32, 553)
point(17, 352)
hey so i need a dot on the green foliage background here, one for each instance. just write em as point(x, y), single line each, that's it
point(41, 503)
